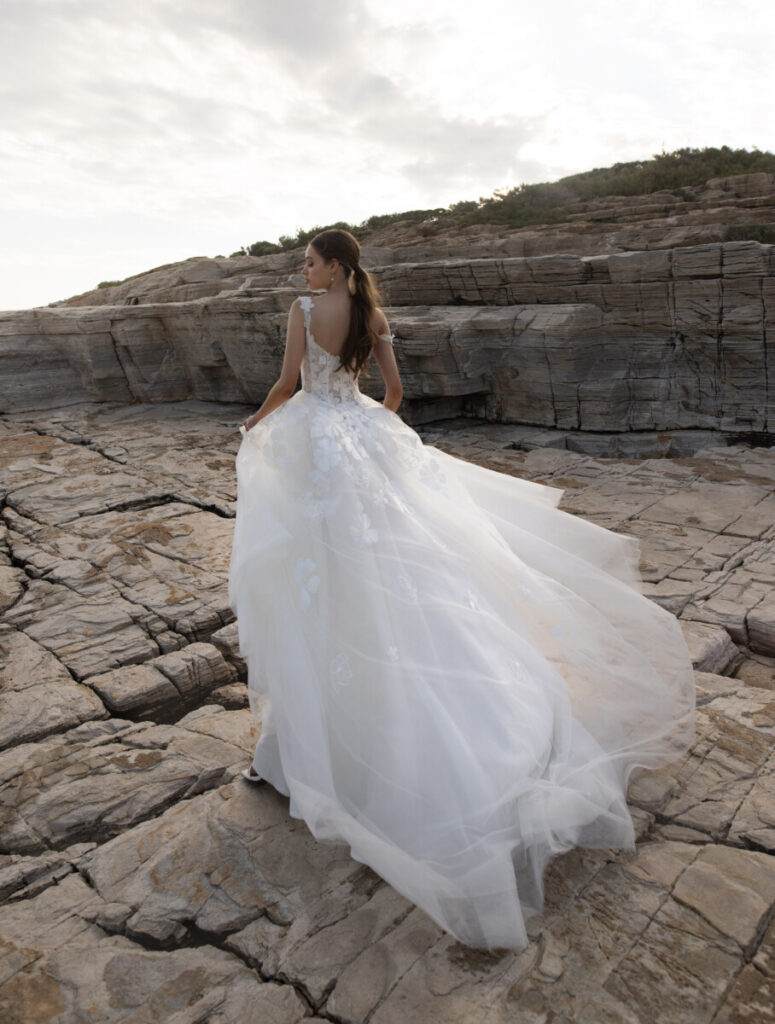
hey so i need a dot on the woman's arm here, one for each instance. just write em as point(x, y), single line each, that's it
point(285, 385)
point(278, 394)
point(386, 360)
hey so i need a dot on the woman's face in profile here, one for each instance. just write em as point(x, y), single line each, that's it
point(316, 272)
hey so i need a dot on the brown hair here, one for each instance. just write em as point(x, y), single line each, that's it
point(336, 243)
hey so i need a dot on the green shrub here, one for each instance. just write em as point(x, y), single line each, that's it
point(548, 202)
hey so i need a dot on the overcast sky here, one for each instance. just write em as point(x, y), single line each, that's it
point(137, 134)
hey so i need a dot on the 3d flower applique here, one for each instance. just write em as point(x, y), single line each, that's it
point(313, 506)
point(408, 587)
point(326, 453)
point(379, 497)
point(431, 475)
point(340, 671)
point(321, 426)
point(472, 599)
point(392, 653)
point(308, 580)
point(363, 533)
point(292, 412)
point(351, 447)
point(275, 444)
point(371, 443)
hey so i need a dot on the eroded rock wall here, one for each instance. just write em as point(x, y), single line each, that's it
point(663, 340)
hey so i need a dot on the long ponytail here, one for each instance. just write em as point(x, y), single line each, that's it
point(341, 245)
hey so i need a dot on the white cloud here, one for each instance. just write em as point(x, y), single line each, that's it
point(135, 135)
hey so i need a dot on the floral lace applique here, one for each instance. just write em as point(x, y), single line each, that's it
point(308, 580)
point(432, 476)
point(340, 671)
point(312, 506)
point(363, 533)
point(380, 497)
point(408, 587)
point(273, 445)
point(326, 454)
point(320, 371)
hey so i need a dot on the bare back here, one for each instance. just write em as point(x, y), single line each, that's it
point(330, 321)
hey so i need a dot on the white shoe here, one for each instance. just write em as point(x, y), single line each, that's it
point(251, 778)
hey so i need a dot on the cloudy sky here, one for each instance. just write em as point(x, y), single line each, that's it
point(137, 134)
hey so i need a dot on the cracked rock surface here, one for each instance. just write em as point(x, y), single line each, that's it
point(143, 880)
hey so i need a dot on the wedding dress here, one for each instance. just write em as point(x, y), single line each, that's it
point(455, 677)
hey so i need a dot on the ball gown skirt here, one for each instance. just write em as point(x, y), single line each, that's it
point(455, 677)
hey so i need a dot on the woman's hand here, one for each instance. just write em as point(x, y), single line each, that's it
point(250, 422)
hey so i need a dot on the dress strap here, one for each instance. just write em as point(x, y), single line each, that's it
point(306, 304)
point(387, 337)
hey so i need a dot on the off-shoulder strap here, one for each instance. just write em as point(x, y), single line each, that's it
point(387, 337)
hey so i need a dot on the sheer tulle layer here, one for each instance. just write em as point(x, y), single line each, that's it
point(457, 677)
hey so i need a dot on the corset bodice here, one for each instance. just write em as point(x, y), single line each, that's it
point(320, 372)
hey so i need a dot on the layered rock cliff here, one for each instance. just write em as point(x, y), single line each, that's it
point(662, 340)
point(140, 877)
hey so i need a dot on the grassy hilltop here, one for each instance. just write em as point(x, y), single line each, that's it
point(549, 202)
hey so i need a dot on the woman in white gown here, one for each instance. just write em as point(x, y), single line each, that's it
point(455, 677)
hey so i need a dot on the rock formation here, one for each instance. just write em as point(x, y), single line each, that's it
point(668, 339)
point(141, 878)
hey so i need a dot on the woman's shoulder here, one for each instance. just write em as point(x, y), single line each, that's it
point(379, 323)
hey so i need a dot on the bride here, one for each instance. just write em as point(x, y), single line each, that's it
point(454, 677)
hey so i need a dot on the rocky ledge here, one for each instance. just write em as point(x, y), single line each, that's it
point(142, 879)
point(643, 342)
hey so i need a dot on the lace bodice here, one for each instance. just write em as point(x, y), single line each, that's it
point(320, 372)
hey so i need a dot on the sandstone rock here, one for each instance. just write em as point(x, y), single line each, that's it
point(173, 680)
point(100, 778)
point(733, 892)
point(219, 862)
point(227, 642)
point(757, 671)
point(638, 342)
point(704, 789)
point(185, 856)
point(38, 695)
point(24, 877)
point(761, 624)
point(86, 635)
point(135, 690)
point(232, 696)
point(60, 966)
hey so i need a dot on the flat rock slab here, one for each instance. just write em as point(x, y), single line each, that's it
point(232, 861)
point(38, 695)
point(59, 964)
point(166, 684)
point(101, 778)
point(197, 896)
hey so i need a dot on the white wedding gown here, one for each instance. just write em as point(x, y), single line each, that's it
point(456, 678)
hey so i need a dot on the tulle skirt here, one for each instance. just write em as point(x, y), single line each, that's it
point(455, 677)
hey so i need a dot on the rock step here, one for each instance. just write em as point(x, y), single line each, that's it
point(688, 352)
